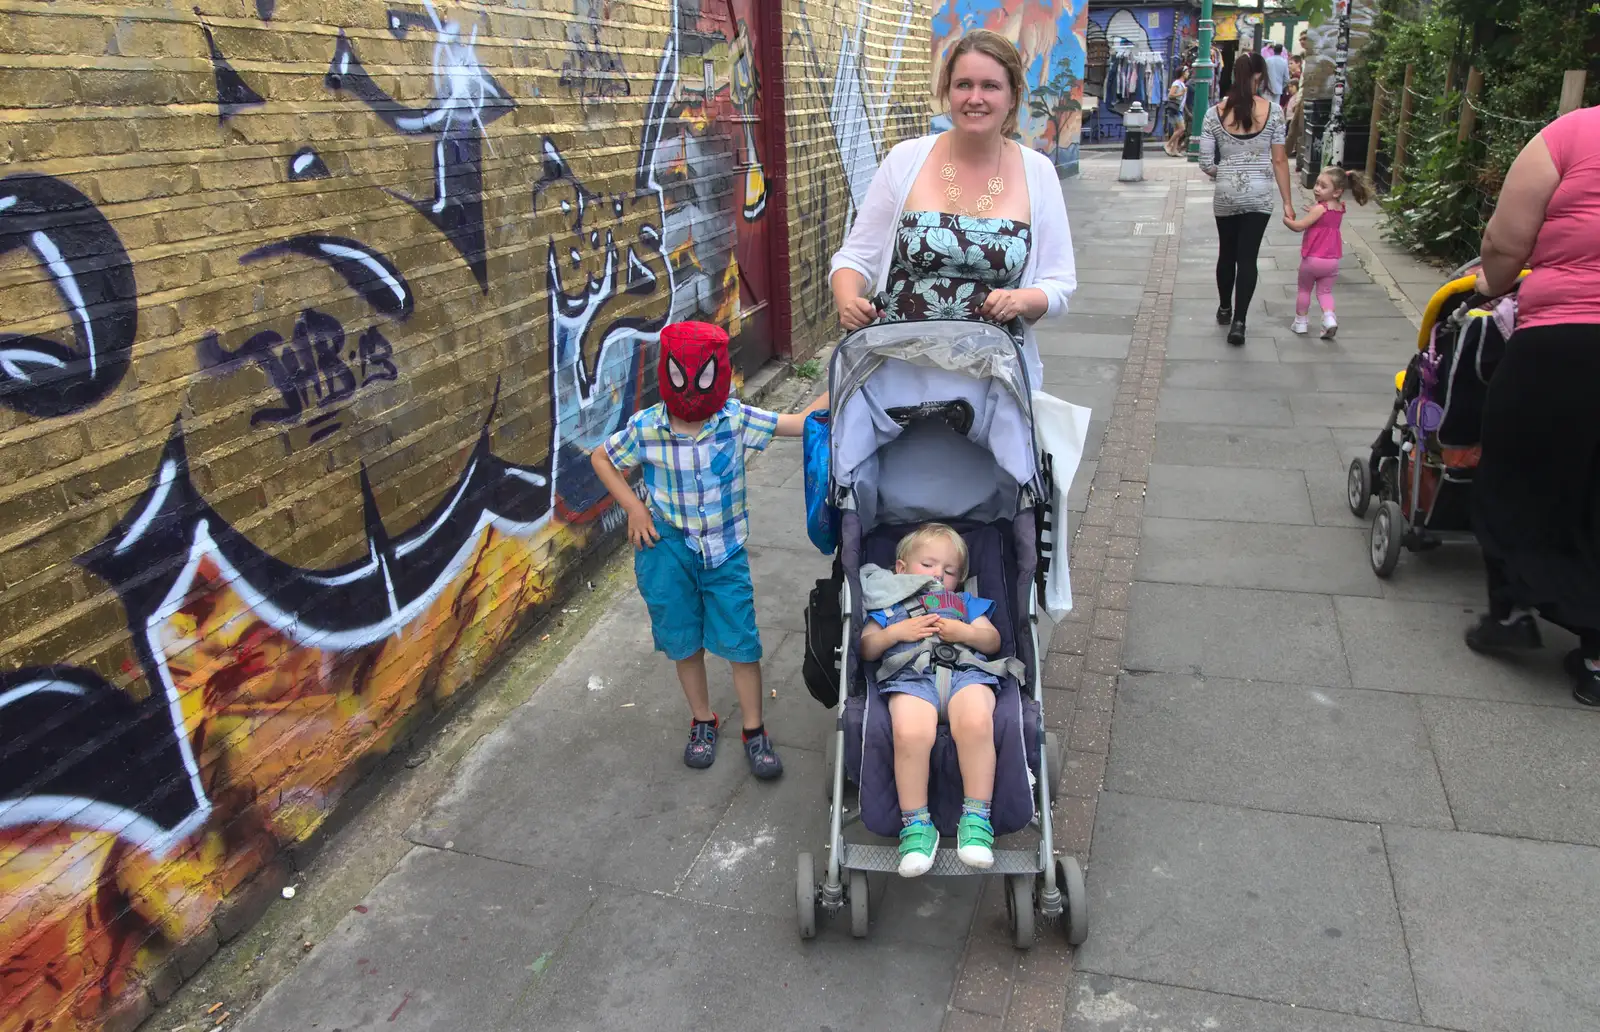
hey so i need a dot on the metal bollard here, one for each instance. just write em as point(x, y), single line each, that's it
point(1133, 123)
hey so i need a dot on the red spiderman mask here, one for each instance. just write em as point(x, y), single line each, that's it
point(694, 371)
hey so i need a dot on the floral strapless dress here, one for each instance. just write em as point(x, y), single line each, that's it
point(944, 265)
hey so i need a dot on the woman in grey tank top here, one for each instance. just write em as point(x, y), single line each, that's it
point(1242, 148)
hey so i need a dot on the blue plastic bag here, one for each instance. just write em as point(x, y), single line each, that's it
point(822, 518)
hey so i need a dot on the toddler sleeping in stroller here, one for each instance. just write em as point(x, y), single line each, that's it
point(932, 643)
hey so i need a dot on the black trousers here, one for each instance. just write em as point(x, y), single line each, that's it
point(1239, 246)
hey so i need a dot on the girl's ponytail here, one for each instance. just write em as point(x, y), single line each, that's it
point(1353, 183)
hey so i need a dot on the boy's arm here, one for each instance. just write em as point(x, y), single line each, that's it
point(641, 526)
point(793, 424)
point(980, 635)
point(875, 641)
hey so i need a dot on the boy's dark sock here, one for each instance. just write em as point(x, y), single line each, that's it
point(713, 722)
point(751, 732)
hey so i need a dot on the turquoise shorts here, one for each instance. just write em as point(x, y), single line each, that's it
point(694, 607)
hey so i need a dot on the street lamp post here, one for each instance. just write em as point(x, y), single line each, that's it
point(1203, 78)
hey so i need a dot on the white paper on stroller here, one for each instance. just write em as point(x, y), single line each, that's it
point(1060, 428)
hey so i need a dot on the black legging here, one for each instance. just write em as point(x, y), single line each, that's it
point(1239, 244)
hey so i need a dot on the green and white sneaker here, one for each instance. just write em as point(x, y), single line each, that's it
point(918, 842)
point(974, 841)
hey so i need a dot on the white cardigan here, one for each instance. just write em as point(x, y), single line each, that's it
point(869, 246)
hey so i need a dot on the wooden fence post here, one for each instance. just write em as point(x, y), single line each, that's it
point(1469, 113)
point(1403, 134)
point(1373, 132)
point(1572, 91)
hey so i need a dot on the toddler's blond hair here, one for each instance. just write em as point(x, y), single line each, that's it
point(927, 532)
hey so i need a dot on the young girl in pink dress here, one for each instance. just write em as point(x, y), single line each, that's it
point(1323, 245)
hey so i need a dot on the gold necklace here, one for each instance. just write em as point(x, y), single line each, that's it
point(952, 189)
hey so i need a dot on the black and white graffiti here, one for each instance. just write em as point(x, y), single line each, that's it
point(466, 99)
point(93, 277)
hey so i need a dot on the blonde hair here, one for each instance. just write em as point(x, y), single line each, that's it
point(1355, 182)
point(927, 532)
point(990, 44)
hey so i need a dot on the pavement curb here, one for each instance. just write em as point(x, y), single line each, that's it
point(999, 988)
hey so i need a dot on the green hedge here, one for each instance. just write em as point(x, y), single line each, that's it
point(1448, 187)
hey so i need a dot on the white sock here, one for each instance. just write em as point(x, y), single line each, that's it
point(1516, 614)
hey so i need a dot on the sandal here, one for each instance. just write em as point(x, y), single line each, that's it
point(764, 762)
point(702, 747)
point(975, 841)
point(919, 841)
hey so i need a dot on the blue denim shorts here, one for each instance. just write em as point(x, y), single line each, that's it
point(693, 606)
point(921, 686)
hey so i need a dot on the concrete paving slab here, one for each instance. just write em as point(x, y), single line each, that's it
point(1217, 375)
point(1452, 574)
point(1089, 301)
point(1072, 323)
point(1366, 411)
point(1098, 398)
point(1325, 752)
point(1083, 345)
point(1227, 493)
point(1210, 345)
point(1348, 348)
point(777, 517)
point(1233, 632)
point(783, 579)
point(1328, 560)
point(1308, 448)
point(1230, 408)
point(781, 460)
point(1078, 496)
point(445, 941)
point(1328, 502)
point(1082, 369)
point(1501, 931)
point(1416, 647)
point(546, 779)
point(1279, 907)
point(633, 951)
point(1101, 1003)
point(1525, 771)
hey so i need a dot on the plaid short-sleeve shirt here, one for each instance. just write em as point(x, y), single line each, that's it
point(696, 483)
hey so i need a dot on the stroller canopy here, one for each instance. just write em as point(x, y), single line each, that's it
point(931, 420)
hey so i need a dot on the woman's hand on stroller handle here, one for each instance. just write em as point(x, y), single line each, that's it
point(857, 312)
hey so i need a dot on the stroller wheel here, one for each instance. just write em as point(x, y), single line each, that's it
point(1069, 879)
point(1388, 533)
point(1019, 909)
point(805, 897)
point(858, 904)
point(1358, 487)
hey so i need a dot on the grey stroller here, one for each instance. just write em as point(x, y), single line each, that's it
point(934, 421)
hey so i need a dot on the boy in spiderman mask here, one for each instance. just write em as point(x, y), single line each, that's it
point(689, 536)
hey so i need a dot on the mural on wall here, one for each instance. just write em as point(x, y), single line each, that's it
point(841, 132)
point(142, 785)
point(1051, 36)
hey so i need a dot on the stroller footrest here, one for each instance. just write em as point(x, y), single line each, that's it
point(887, 858)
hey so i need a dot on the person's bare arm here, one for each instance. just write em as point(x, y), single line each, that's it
point(641, 526)
point(875, 640)
point(980, 635)
point(793, 424)
point(1312, 216)
point(1280, 171)
point(855, 311)
point(1514, 227)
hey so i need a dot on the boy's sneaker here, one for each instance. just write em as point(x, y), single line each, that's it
point(702, 747)
point(919, 840)
point(975, 841)
point(764, 762)
point(1300, 325)
point(1330, 325)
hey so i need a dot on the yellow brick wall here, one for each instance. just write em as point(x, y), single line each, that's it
point(855, 84)
point(312, 310)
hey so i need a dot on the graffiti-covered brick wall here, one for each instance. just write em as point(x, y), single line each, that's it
point(855, 84)
point(311, 313)
point(1050, 34)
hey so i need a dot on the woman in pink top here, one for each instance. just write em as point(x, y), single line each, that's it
point(1536, 497)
